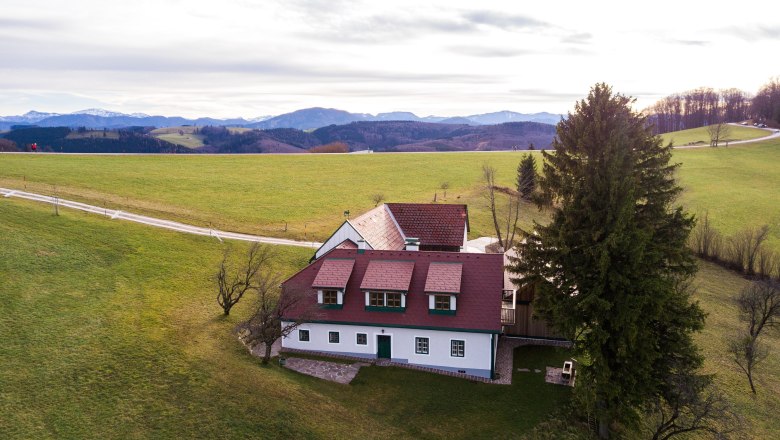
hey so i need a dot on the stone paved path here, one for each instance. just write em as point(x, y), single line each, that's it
point(332, 371)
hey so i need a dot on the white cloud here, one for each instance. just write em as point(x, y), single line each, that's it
point(231, 58)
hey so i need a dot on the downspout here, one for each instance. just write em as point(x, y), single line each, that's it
point(492, 357)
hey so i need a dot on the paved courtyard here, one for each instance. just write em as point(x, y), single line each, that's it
point(332, 371)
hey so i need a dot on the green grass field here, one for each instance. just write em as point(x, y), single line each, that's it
point(738, 186)
point(307, 195)
point(111, 330)
point(184, 136)
point(116, 325)
point(699, 136)
point(260, 194)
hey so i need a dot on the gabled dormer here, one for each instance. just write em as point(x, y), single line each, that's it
point(331, 282)
point(386, 284)
point(442, 285)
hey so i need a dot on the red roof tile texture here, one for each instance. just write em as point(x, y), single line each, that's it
point(433, 224)
point(333, 273)
point(388, 275)
point(378, 229)
point(443, 278)
point(479, 300)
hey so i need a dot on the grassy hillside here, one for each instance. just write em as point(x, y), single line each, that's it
point(738, 186)
point(111, 330)
point(260, 194)
point(699, 136)
point(184, 136)
point(716, 288)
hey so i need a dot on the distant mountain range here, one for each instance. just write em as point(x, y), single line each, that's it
point(380, 136)
point(306, 119)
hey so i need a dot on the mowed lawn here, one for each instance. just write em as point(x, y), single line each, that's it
point(716, 290)
point(305, 196)
point(695, 136)
point(294, 196)
point(111, 330)
point(738, 187)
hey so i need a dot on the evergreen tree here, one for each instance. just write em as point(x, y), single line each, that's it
point(526, 176)
point(609, 266)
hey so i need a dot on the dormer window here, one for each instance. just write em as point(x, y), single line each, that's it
point(386, 284)
point(386, 301)
point(330, 296)
point(441, 302)
point(442, 286)
point(331, 282)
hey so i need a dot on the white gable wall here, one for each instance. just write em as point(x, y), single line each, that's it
point(345, 232)
point(476, 362)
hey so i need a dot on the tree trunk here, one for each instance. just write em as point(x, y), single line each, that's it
point(750, 380)
point(603, 428)
point(267, 355)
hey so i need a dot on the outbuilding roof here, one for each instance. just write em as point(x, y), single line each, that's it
point(434, 224)
point(378, 229)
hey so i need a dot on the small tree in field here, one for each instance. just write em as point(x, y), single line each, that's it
point(265, 325)
point(236, 277)
point(444, 187)
point(718, 133)
point(526, 177)
point(759, 308)
point(377, 199)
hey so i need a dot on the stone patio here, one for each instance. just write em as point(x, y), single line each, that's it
point(332, 371)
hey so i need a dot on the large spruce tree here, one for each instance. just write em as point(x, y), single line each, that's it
point(609, 266)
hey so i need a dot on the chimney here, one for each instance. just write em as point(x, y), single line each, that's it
point(412, 244)
point(361, 246)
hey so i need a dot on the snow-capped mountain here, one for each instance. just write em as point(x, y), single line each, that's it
point(29, 117)
point(107, 113)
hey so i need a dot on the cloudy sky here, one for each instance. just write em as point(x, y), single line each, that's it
point(251, 58)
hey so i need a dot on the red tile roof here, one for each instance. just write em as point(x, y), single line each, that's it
point(479, 300)
point(334, 273)
point(388, 275)
point(443, 278)
point(378, 229)
point(347, 244)
point(433, 224)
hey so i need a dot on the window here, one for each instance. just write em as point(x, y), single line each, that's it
point(393, 300)
point(457, 348)
point(421, 345)
point(333, 337)
point(330, 297)
point(362, 339)
point(303, 335)
point(441, 302)
point(376, 299)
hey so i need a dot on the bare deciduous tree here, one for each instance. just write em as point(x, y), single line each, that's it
point(377, 199)
point(234, 279)
point(692, 403)
point(745, 247)
point(444, 187)
point(718, 132)
point(706, 240)
point(505, 227)
point(759, 308)
point(265, 325)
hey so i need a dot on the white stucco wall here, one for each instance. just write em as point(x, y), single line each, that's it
point(402, 342)
point(345, 232)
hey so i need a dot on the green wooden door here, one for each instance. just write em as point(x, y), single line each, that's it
point(383, 347)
